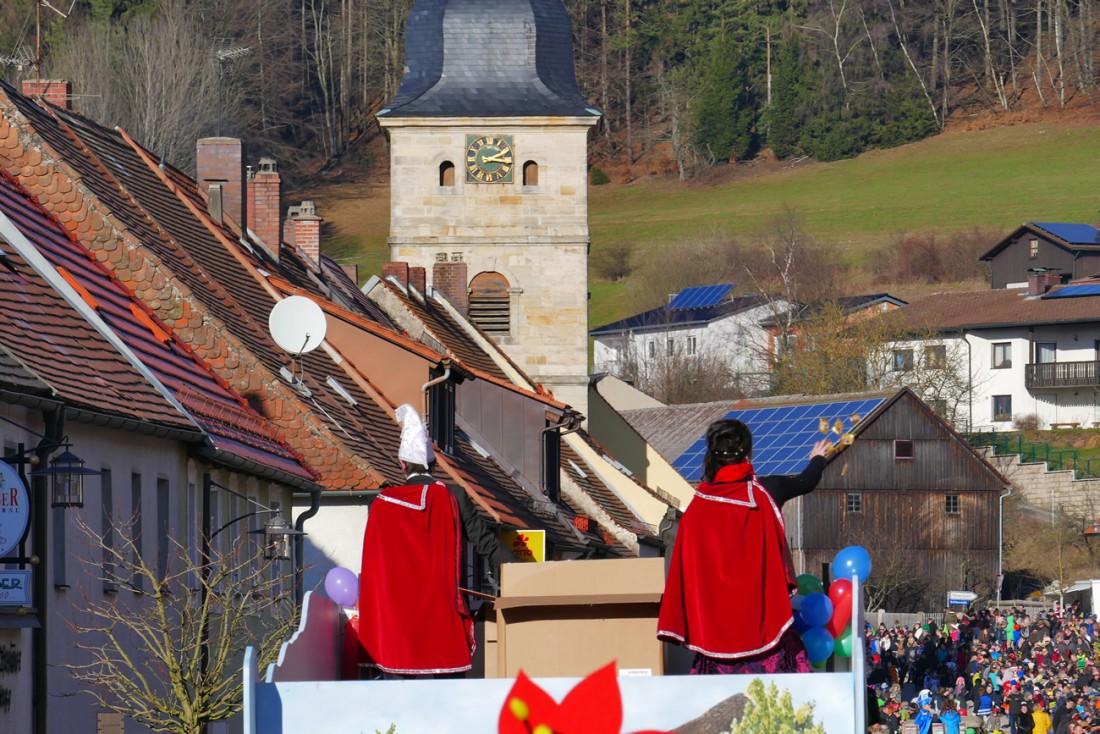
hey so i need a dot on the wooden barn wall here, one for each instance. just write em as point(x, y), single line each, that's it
point(507, 421)
point(904, 502)
point(1011, 264)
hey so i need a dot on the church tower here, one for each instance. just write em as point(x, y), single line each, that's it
point(488, 162)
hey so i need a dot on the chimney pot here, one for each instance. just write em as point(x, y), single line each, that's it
point(307, 231)
point(57, 92)
point(265, 204)
point(399, 271)
point(449, 279)
point(219, 161)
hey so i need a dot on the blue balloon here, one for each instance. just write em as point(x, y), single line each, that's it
point(819, 644)
point(852, 560)
point(816, 610)
point(800, 625)
point(796, 601)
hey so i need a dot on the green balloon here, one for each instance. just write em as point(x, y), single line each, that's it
point(818, 666)
point(809, 584)
point(842, 645)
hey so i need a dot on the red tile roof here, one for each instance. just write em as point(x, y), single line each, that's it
point(224, 415)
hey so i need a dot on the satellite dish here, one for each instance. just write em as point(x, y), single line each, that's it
point(297, 325)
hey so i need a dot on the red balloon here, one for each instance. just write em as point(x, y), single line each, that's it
point(840, 594)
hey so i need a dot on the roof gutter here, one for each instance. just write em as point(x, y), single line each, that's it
point(232, 461)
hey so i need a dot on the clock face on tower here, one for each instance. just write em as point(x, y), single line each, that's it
point(489, 159)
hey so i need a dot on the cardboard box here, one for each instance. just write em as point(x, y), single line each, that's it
point(569, 618)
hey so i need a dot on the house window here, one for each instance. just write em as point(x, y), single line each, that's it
point(903, 360)
point(530, 173)
point(951, 504)
point(491, 303)
point(935, 356)
point(854, 503)
point(1033, 249)
point(1002, 355)
point(690, 345)
point(903, 448)
point(1002, 407)
point(447, 174)
point(551, 464)
point(164, 529)
point(137, 558)
point(787, 343)
point(651, 349)
point(106, 493)
point(1045, 352)
point(670, 346)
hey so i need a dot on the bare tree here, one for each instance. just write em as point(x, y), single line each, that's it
point(674, 370)
point(164, 647)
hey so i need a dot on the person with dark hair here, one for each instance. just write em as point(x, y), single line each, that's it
point(728, 592)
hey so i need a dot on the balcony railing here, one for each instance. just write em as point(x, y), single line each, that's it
point(1063, 374)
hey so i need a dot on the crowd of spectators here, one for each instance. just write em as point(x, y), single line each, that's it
point(996, 670)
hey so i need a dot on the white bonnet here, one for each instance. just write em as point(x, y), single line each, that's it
point(415, 446)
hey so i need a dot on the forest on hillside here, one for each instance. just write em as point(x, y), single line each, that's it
point(695, 83)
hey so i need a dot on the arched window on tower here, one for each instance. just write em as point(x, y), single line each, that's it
point(530, 173)
point(490, 303)
point(446, 174)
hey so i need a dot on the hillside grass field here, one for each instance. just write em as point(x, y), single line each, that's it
point(995, 179)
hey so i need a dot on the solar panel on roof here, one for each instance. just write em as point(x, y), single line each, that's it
point(781, 436)
point(1075, 291)
point(1078, 234)
point(701, 296)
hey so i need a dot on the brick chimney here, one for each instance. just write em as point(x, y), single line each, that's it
point(399, 271)
point(220, 161)
point(1041, 280)
point(307, 231)
point(418, 279)
point(57, 92)
point(450, 280)
point(264, 208)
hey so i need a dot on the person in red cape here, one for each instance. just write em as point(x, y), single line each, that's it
point(728, 592)
point(413, 617)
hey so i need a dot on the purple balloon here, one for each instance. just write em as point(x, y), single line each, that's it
point(342, 586)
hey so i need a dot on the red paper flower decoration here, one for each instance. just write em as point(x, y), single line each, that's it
point(594, 706)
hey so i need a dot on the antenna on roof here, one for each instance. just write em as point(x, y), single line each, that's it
point(298, 326)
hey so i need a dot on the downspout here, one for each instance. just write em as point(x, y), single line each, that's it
point(51, 441)
point(969, 381)
point(299, 542)
point(432, 383)
point(1001, 542)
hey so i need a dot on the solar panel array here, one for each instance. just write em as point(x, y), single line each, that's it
point(1075, 291)
point(1077, 234)
point(701, 296)
point(781, 436)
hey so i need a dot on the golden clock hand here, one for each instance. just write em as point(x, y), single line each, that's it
point(497, 158)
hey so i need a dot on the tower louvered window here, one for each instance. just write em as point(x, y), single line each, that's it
point(491, 303)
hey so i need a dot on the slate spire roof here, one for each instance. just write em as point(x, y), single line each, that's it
point(488, 58)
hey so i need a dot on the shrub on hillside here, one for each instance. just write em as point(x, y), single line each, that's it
point(613, 261)
point(598, 177)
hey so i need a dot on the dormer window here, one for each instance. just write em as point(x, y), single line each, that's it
point(441, 413)
point(551, 462)
point(447, 174)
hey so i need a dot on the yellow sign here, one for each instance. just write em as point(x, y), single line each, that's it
point(528, 545)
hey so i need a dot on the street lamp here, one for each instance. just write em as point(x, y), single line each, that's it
point(276, 532)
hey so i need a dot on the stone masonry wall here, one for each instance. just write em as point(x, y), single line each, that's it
point(1049, 490)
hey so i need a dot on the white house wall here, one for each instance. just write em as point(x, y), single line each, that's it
point(1052, 405)
point(737, 337)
